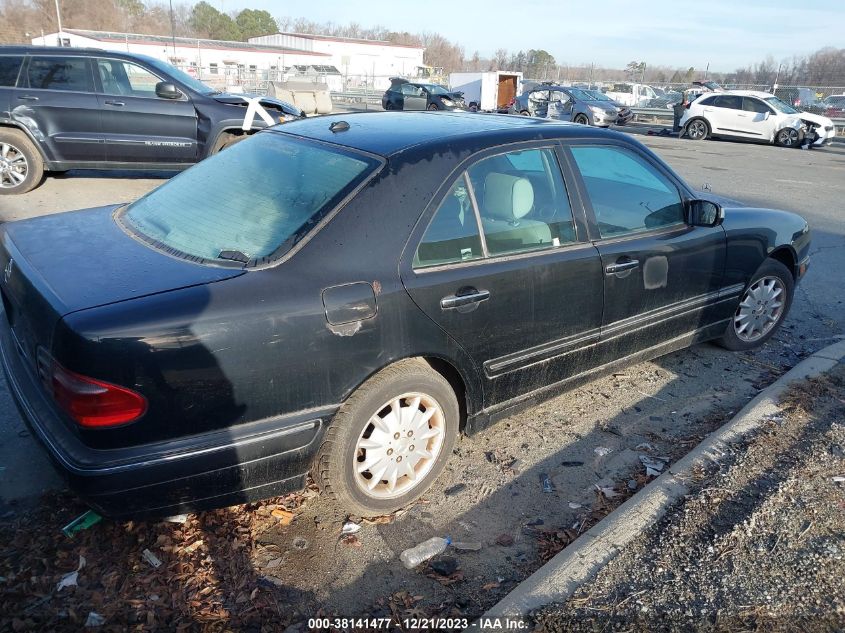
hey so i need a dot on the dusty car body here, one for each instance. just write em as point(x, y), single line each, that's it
point(393, 279)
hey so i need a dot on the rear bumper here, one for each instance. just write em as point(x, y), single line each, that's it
point(236, 465)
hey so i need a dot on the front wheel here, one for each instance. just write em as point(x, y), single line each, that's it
point(582, 119)
point(788, 137)
point(764, 305)
point(390, 440)
point(433, 107)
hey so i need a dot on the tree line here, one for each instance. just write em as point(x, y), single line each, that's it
point(21, 20)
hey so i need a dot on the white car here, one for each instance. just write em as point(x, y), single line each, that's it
point(757, 116)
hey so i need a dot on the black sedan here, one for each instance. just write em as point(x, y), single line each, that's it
point(406, 95)
point(344, 295)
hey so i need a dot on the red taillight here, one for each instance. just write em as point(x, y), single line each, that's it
point(93, 403)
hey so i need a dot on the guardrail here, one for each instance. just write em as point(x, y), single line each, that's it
point(660, 115)
point(358, 96)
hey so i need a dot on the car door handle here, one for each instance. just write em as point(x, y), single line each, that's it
point(115, 103)
point(743, 116)
point(456, 301)
point(27, 98)
point(621, 266)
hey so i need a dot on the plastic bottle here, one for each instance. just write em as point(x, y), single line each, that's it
point(425, 550)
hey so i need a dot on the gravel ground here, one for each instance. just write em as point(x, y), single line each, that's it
point(758, 547)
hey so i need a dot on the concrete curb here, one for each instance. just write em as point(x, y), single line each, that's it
point(558, 579)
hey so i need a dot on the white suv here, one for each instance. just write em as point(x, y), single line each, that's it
point(756, 116)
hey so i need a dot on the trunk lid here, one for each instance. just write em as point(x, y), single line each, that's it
point(58, 264)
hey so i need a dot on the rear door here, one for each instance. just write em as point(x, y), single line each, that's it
point(727, 116)
point(10, 66)
point(662, 277)
point(138, 126)
point(55, 99)
point(501, 263)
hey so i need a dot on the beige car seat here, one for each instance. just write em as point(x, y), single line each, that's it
point(507, 200)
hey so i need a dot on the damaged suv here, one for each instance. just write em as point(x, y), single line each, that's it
point(757, 116)
point(76, 108)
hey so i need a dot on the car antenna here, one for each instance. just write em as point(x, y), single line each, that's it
point(339, 126)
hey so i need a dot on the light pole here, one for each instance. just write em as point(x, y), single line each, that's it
point(172, 28)
point(59, 20)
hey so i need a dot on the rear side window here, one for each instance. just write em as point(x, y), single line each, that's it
point(453, 234)
point(10, 66)
point(732, 102)
point(59, 73)
point(707, 101)
point(254, 200)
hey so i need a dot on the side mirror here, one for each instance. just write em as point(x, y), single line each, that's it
point(166, 90)
point(704, 213)
point(766, 116)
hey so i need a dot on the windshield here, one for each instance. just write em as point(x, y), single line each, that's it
point(780, 106)
point(435, 89)
point(252, 201)
point(191, 82)
point(598, 95)
point(580, 95)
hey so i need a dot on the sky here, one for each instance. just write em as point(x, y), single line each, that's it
point(727, 34)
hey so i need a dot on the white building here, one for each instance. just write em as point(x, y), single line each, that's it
point(284, 56)
point(354, 57)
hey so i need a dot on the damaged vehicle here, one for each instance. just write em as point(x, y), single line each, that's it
point(758, 116)
point(77, 108)
point(407, 95)
point(625, 113)
point(566, 104)
point(345, 295)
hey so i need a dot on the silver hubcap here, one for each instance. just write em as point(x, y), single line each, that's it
point(581, 119)
point(760, 310)
point(696, 130)
point(788, 137)
point(13, 166)
point(399, 445)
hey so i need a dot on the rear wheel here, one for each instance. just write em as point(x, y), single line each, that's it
point(390, 440)
point(698, 129)
point(764, 305)
point(788, 137)
point(582, 119)
point(21, 167)
point(525, 113)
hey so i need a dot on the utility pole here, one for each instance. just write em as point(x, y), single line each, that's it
point(59, 20)
point(706, 71)
point(172, 27)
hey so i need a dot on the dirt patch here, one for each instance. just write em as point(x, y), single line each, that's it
point(759, 546)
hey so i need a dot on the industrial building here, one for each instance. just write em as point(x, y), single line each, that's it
point(336, 61)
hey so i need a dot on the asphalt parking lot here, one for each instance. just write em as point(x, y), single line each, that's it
point(491, 487)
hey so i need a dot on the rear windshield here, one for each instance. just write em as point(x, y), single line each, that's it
point(251, 202)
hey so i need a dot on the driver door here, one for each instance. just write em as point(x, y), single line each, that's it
point(757, 118)
point(138, 126)
point(414, 97)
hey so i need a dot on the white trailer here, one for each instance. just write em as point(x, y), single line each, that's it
point(489, 91)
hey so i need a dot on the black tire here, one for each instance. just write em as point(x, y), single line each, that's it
point(433, 107)
point(525, 113)
point(21, 167)
point(582, 119)
point(225, 140)
point(788, 137)
point(334, 469)
point(389, 106)
point(697, 129)
point(770, 269)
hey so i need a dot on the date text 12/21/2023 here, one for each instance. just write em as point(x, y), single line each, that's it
point(416, 624)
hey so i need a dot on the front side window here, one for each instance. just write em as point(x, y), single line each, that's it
point(411, 91)
point(780, 106)
point(750, 104)
point(628, 194)
point(453, 234)
point(255, 200)
point(522, 201)
point(59, 73)
point(10, 66)
point(124, 78)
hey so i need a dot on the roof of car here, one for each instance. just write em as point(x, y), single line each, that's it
point(743, 93)
point(62, 50)
point(387, 133)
